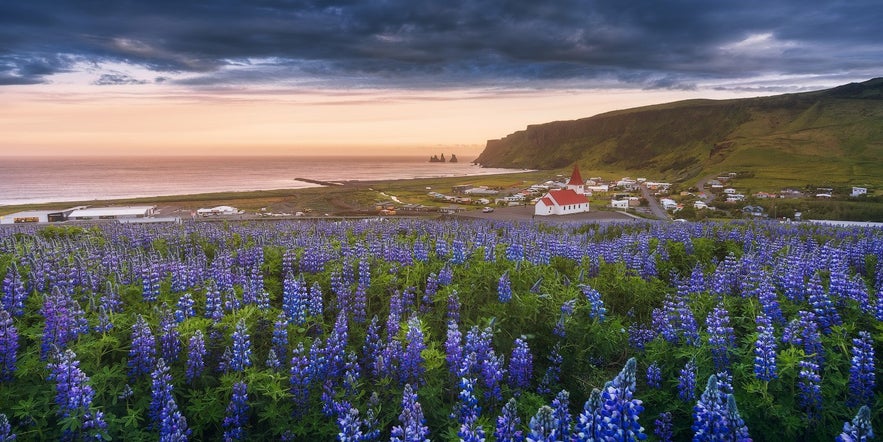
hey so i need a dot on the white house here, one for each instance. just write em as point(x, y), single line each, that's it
point(668, 203)
point(859, 191)
point(699, 205)
point(561, 202)
point(619, 204)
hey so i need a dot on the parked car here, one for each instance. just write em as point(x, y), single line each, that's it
point(487, 210)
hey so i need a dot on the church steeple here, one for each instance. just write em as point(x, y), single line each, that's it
point(576, 182)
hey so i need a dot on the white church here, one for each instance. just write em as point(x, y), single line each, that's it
point(572, 199)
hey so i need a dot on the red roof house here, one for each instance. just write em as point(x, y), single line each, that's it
point(561, 202)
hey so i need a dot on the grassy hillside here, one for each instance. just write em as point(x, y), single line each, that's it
point(833, 136)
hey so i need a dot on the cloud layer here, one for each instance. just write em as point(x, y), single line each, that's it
point(429, 44)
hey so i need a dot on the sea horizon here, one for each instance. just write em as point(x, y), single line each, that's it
point(59, 179)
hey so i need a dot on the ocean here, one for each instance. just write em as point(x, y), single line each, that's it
point(39, 180)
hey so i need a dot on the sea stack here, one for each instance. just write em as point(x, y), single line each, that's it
point(453, 158)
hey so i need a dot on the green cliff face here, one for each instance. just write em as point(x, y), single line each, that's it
point(834, 133)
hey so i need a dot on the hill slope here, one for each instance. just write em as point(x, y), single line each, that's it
point(835, 135)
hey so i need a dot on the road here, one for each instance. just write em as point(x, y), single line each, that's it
point(701, 187)
point(655, 208)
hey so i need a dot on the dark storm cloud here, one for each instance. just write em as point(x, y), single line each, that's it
point(649, 43)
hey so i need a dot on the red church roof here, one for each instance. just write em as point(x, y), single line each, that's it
point(566, 197)
point(575, 178)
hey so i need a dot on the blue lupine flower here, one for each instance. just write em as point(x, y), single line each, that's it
point(74, 395)
point(214, 308)
point(6, 434)
point(142, 354)
point(241, 357)
point(372, 348)
point(185, 307)
point(412, 428)
point(738, 429)
point(553, 371)
point(508, 423)
point(824, 309)
point(810, 395)
point(720, 337)
point(8, 346)
point(709, 415)
point(520, 365)
point(65, 320)
point(765, 350)
point(620, 410)
point(446, 275)
point(469, 430)
point(687, 382)
point(861, 371)
point(316, 306)
point(236, 417)
point(371, 421)
point(543, 427)
point(504, 288)
point(350, 426)
point(300, 376)
point(279, 341)
point(860, 430)
point(590, 420)
point(273, 362)
point(412, 359)
point(169, 339)
point(453, 348)
point(561, 405)
point(493, 372)
point(663, 427)
point(597, 311)
point(804, 331)
point(453, 311)
point(654, 376)
point(14, 292)
point(195, 356)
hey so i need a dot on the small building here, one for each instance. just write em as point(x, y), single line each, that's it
point(755, 211)
point(561, 202)
point(460, 188)
point(699, 205)
point(385, 205)
point(451, 209)
point(219, 210)
point(859, 191)
point(668, 203)
point(38, 216)
point(99, 213)
point(483, 190)
point(619, 204)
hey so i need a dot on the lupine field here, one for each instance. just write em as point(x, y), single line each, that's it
point(440, 330)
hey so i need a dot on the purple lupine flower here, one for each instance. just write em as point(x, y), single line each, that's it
point(74, 396)
point(596, 304)
point(765, 350)
point(542, 426)
point(316, 306)
point(809, 382)
point(169, 339)
point(720, 337)
point(520, 365)
point(687, 382)
point(371, 421)
point(142, 354)
point(620, 410)
point(561, 407)
point(738, 429)
point(553, 371)
point(214, 307)
point(453, 311)
point(590, 420)
point(654, 376)
point(860, 430)
point(294, 298)
point(279, 341)
point(350, 426)
point(493, 372)
point(185, 308)
point(241, 357)
point(508, 423)
point(453, 348)
point(470, 430)
point(821, 304)
point(8, 346)
point(65, 320)
point(504, 288)
point(372, 348)
point(861, 371)
point(804, 331)
point(412, 361)
point(514, 251)
point(412, 428)
point(14, 292)
point(273, 362)
point(663, 427)
point(566, 312)
point(236, 417)
point(163, 411)
point(878, 311)
point(6, 434)
point(300, 377)
point(195, 356)
point(709, 414)
point(446, 275)
point(640, 336)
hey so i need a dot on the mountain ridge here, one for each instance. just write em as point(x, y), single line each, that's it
point(835, 134)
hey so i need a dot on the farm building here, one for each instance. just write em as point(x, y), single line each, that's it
point(38, 216)
point(97, 213)
point(220, 210)
point(561, 202)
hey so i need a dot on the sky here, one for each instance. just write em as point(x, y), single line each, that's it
point(283, 77)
